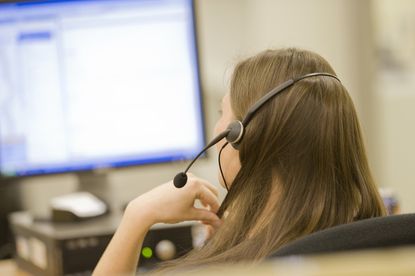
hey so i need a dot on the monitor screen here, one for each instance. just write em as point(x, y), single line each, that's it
point(96, 84)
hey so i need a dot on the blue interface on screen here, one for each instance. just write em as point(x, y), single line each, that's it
point(96, 84)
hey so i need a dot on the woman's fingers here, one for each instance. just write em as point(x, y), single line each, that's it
point(203, 214)
point(207, 197)
point(210, 186)
point(209, 231)
point(214, 224)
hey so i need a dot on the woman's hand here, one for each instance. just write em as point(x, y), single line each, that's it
point(168, 204)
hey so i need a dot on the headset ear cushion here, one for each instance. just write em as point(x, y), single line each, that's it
point(236, 131)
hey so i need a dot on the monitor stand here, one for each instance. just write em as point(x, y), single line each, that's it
point(96, 183)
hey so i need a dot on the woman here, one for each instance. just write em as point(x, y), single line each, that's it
point(300, 167)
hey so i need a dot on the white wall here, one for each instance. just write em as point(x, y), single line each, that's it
point(394, 93)
point(231, 29)
point(396, 113)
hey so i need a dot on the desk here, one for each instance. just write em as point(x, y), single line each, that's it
point(399, 261)
point(9, 268)
point(383, 262)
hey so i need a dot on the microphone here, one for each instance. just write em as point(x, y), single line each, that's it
point(181, 178)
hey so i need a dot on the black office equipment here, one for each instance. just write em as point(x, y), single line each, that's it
point(47, 248)
point(9, 202)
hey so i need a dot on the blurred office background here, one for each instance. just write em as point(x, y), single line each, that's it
point(371, 45)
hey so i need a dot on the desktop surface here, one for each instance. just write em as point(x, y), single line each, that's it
point(397, 262)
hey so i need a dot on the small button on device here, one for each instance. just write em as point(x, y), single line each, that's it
point(165, 250)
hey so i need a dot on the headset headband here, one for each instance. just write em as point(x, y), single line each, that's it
point(236, 129)
point(274, 92)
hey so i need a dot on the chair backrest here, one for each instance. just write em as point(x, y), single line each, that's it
point(379, 232)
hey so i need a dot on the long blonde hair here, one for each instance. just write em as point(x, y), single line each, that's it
point(307, 144)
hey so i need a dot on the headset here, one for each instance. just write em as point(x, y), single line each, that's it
point(235, 130)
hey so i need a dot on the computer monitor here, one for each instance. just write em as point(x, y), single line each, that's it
point(86, 85)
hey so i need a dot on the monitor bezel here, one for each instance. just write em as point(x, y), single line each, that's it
point(138, 163)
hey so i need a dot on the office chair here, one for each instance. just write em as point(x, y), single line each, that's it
point(379, 232)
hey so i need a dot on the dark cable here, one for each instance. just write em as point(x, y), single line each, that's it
point(181, 178)
point(220, 166)
point(213, 142)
